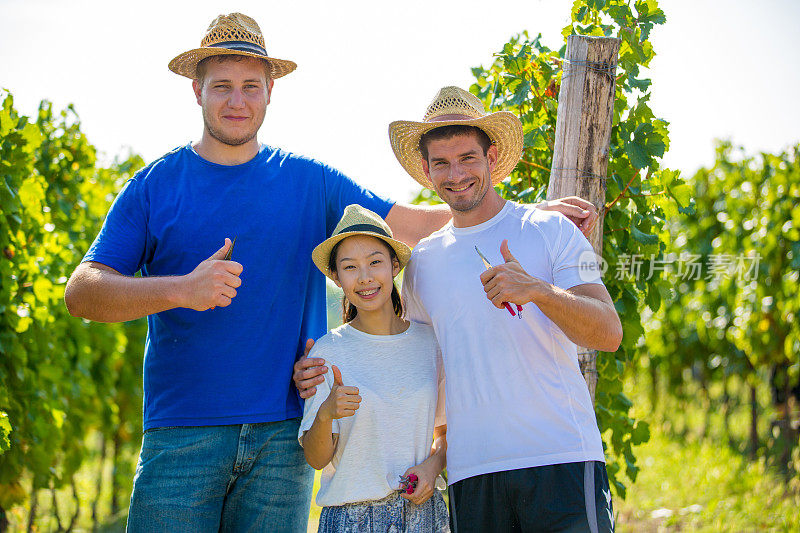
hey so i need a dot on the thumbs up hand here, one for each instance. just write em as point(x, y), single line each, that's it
point(506, 253)
point(212, 283)
point(509, 283)
point(342, 401)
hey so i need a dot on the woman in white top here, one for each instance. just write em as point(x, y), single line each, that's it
point(379, 414)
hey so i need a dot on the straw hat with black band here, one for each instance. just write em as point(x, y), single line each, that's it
point(455, 106)
point(358, 220)
point(234, 34)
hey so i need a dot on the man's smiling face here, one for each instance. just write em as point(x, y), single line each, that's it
point(234, 94)
point(460, 171)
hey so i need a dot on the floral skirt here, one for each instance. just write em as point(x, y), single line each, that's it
point(392, 514)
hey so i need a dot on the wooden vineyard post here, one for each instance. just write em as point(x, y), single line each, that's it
point(583, 132)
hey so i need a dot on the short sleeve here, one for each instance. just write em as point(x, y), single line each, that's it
point(412, 305)
point(341, 191)
point(122, 241)
point(313, 404)
point(574, 260)
point(440, 417)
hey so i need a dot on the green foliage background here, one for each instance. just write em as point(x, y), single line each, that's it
point(737, 323)
point(67, 386)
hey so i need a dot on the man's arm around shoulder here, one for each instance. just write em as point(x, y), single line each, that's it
point(412, 223)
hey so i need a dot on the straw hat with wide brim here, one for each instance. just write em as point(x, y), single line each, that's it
point(233, 34)
point(455, 106)
point(358, 220)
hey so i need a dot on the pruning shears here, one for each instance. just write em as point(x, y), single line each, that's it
point(507, 305)
point(230, 251)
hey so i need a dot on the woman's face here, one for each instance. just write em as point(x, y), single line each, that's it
point(365, 271)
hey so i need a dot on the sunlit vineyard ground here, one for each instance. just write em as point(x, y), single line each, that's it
point(700, 486)
point(696, 476)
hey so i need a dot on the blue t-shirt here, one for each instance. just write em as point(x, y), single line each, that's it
point(229, 365)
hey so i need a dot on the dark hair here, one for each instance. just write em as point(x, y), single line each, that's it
point(349, 311)
point(447, 132)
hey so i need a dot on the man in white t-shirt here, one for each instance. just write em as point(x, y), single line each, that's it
point(524, 450)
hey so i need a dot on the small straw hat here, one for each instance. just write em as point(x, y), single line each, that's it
point(451, 106)
point(358, 220)
point(233, 34)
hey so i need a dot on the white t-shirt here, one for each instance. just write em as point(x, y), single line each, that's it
point(401, 382)
point(515, 396)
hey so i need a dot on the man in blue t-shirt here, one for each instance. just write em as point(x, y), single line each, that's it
point(226, 325)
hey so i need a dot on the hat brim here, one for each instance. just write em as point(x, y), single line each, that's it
point(186, 63)
point(322, 253)
point(502, 127)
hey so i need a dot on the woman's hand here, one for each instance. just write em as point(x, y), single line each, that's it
point(342, 401)
point(426, 473)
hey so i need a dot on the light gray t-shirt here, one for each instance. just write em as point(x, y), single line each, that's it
point(401, 382)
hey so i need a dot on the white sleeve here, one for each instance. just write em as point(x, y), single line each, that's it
point(573, 257)
point(313, 404)
point(440, 418)
point(412, 305)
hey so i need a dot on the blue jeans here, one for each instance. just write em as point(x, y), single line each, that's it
point(244, 477)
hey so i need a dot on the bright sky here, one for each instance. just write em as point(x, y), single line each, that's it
point(724, 69)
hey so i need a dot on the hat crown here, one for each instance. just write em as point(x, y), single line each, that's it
point(454, 101)
point(356, 215)
point(358, 220)
point(233, 27)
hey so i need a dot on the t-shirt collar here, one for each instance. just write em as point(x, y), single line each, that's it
point(263, 149)
point(349, 329)
point(484, 225)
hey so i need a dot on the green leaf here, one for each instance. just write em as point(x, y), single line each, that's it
point(642, 237)
point(521, 94)
point(534, 139)
point(653, 298)
point(640, 433)
point(682, 194)
point(642, 84)
point(5, 432)
point(647, 143)
point(638, 154)
point(650, 12)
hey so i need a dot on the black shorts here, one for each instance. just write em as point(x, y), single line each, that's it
point(563, 497)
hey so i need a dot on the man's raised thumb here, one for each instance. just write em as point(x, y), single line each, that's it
point(337, 376)
point(507, 257)
point(220, 254)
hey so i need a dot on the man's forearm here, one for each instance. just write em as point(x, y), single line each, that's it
point(586, 321)
point(412, 223)
point(100, 293)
